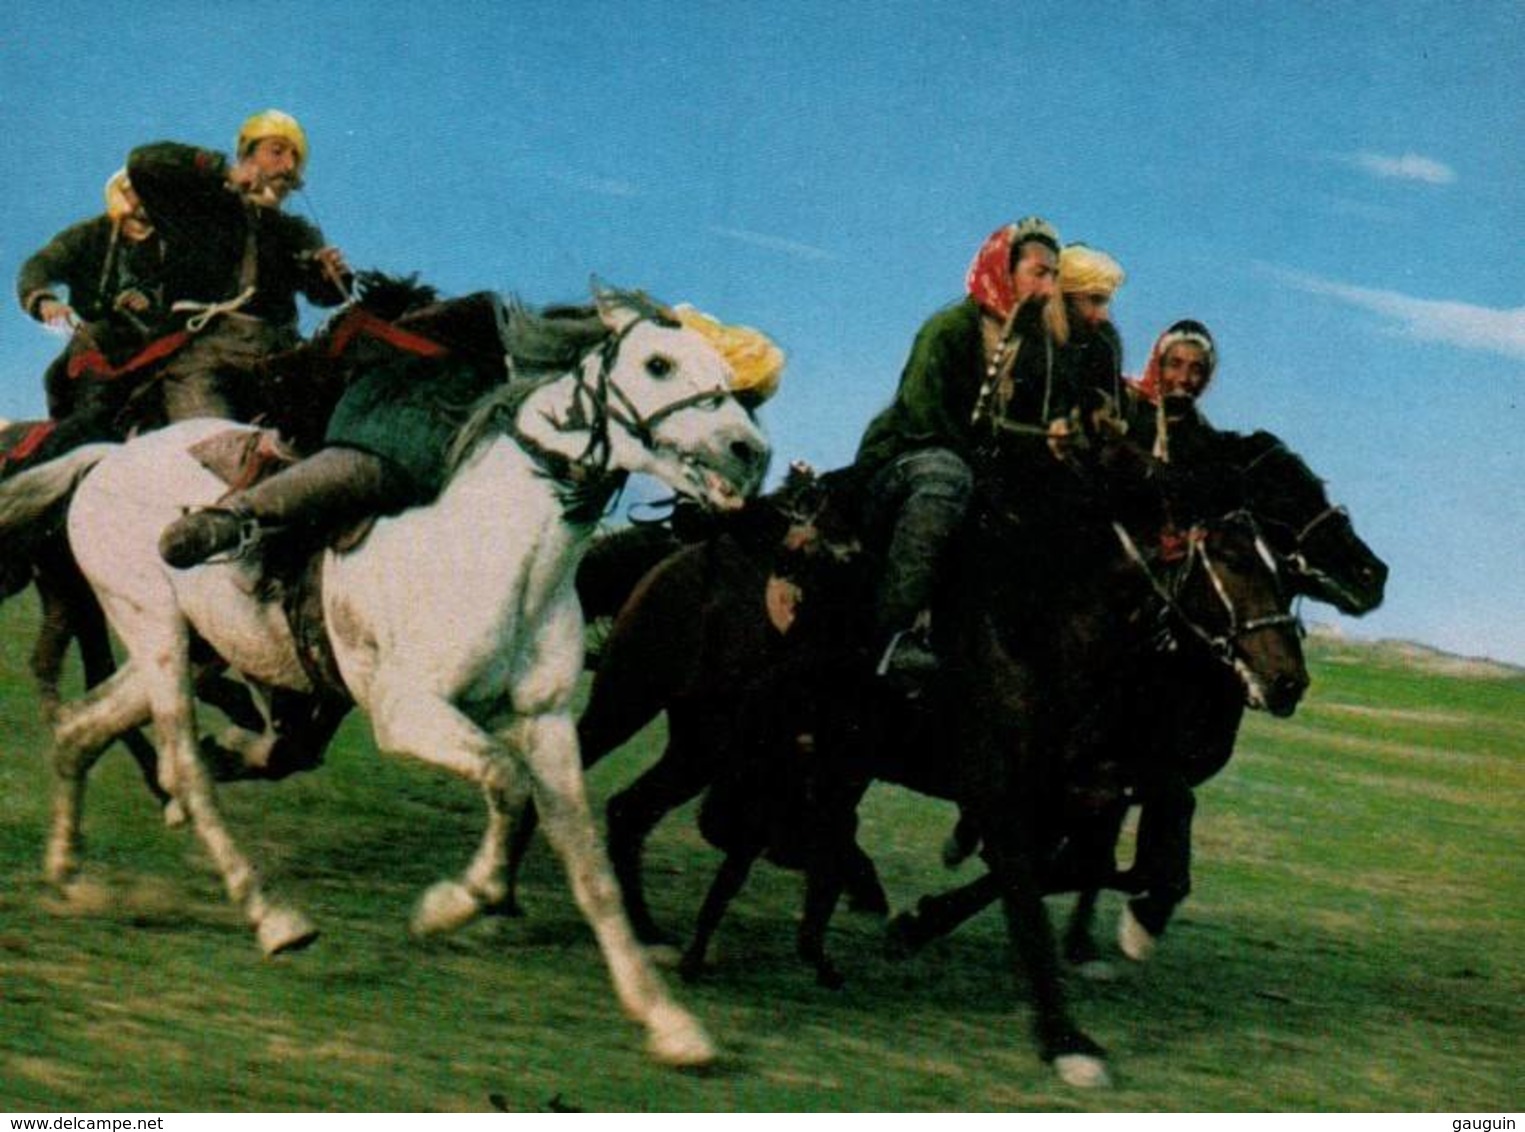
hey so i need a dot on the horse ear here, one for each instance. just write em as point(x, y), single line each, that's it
point(615, 308)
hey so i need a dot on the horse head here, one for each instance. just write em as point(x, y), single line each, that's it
point(1222, 588)
point(663, 393)
point(1323, 556)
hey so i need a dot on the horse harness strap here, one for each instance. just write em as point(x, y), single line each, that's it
point(358, 321)
point(596, 402)
point(1220, 645)
point(302, 601)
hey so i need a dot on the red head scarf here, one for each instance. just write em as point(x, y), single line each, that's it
point(989, 279)
point(1187, 330)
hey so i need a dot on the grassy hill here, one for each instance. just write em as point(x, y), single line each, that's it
point(1353, 943)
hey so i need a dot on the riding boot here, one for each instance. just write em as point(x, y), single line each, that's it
point(933, 510)
point(311, 500)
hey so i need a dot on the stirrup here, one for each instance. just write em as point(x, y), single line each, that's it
point(250, 535)
point(248, 532)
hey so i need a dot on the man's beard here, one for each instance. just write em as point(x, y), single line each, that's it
point(1029, 317)
point(271, 192)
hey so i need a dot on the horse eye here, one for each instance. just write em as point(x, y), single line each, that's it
point(659, 365)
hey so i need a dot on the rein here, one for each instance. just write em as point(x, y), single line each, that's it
point(596, 404)
point(1220, 645)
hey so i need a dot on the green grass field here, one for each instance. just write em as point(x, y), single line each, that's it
point(1354, 942)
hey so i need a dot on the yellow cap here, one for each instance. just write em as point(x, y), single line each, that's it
point(1084, 269)
point(272, 124)
point(756, 361)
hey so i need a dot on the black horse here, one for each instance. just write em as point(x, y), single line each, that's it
point(1038, 628)
point(1184, 711)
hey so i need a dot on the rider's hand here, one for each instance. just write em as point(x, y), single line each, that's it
point(60, 316)
point(1058, 438)
point(331, 261)
point(133, 300)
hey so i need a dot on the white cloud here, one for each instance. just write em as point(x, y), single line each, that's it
point(1429, 320)
point(774, 243)
point(1408, 167)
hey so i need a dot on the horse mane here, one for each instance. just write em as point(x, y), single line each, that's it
point(540, 347)
point(391, 297)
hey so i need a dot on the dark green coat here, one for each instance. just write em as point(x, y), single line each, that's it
point(940, 385)
point(94, 266)
point(207, 226)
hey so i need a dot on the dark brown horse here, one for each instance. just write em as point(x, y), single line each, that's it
point(1038, 630)
point(1184, 711)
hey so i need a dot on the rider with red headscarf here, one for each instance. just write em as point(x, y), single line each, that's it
point(988, 362)
point(1163, 402)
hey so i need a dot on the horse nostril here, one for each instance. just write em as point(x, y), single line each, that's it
point(747, 452)
point(1290, 688)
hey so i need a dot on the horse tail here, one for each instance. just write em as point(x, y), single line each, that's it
point(28, 496)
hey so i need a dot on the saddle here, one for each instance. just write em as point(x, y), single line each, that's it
point(289, 574)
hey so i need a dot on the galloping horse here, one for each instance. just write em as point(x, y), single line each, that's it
point(1185, 711)
point(454, 625)
point(705, 607)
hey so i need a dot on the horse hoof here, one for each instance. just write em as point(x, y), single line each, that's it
point(58, 871)
point(1097, 971)
point(174, 814)
point(954, 853)
point(1083, 1071)
point(829, 978)
point(1133, 938)
point(285, 929)
point(445, 907)
point(677, 1039)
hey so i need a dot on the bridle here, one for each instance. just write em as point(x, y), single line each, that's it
point(1220, 645)
point(1295, 558)
point(598, 403)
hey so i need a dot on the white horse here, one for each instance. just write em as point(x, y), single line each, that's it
point(456, 626)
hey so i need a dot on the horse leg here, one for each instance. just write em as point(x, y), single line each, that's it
point(81, 732)
point(729, 880)
point(823, 888)
point(549, 745)
point(607, 723)
point(70, 611)
point(1162, 868)
point(411, 722)
point(158, 643)
point(937, 916)
point(1076, 1058)
point(962, 843)
point(53, 637)
point(483, 886)
point(865, 891)
point(678, 777)
point(620, 705)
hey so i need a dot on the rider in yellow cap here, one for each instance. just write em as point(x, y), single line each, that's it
point(236, 262)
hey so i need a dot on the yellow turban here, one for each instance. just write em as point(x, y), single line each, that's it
point(1086, 270)
point(756, 361)
point(272, 124)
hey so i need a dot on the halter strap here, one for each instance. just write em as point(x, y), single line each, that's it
point(596, 402)
point(1220, 645)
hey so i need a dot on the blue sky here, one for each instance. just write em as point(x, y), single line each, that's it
point(1334, 189)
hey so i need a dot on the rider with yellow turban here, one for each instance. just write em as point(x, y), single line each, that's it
point(1088, 279)
point(236, 261)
